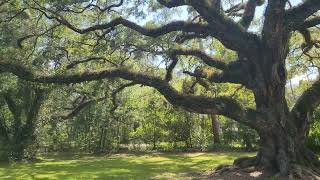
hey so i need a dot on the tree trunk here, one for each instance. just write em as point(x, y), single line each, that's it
point(280, 152)
point(4, 142)
point(215, 129)
point(4, 150)
point(99, 145)
point(154, 139)
point(104, 138)
point(282, 145)
point(247, 142)
point(17, 152)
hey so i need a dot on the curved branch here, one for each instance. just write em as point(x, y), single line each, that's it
point(296, 16)
point(249, 12)
point(309, 42)
point(94, 5)
point(249, 8)
point(231, 34)
point(210, 61)
point(108, 8)
point(172, 3)
point(306, 104)
point(114, 95)
point(151, 32)
point(315, 21)
point(22, 39)
point(81, 107)
point(186, 37)
point(172, 65)
point(237, 72)
point(220, 105)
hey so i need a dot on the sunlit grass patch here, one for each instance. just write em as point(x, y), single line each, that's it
point(119, 166)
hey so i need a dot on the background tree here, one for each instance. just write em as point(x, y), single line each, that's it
point(20, 107)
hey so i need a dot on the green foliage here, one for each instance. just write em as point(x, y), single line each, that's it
point(143, 117)
point(313, 138)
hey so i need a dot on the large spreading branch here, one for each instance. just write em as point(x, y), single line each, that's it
point(94, 5)
point(151, 32)
point(297, 16)
point(306, 105)
point(173, 3)
point(237, 72)
point(312, 22)
point(84, 104)
point(208, 60)
point(200, 104)
point(231, 34)
point(79, 108)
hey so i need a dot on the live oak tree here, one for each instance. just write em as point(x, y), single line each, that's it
point(259, 65)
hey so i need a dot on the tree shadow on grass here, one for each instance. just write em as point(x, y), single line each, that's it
point(146, 166)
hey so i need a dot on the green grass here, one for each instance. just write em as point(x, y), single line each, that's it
point(123, 166)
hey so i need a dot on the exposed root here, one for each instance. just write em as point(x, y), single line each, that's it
point(245, 162)
point(250, 168)
point(300, 172)
point(225, 168)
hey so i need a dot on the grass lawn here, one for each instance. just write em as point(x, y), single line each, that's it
point(122, 166)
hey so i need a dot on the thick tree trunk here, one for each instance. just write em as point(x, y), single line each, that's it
point(215, 129)
point(280, 153)
point(282, 147)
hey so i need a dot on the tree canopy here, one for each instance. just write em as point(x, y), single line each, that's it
point(255, 45)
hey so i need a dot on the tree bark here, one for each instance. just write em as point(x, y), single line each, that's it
point(282, 146)
point(283, 154)
point(215, 129)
